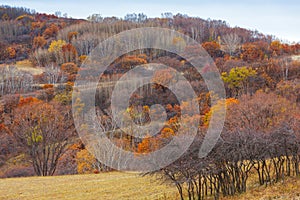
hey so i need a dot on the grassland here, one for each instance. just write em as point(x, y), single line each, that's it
point(287, 190)
point(117, 185)
point(26, 65)
point(108, 186)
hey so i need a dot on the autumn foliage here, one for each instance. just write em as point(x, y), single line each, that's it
point(39, 42)
point(41, 56)
point(51, 31)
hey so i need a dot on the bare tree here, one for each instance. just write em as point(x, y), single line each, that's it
point(285, 63)
point(14, 81)
point(102, 144)
point(54, 74)
point(230, 43)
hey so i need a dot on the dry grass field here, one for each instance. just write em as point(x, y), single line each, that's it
point(287, 190)
point(26, 65)
point(114, 185)
point(120, 185)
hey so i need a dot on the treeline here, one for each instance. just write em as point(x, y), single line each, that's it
point(19, 27)
point(24, 27)
point(8, 12)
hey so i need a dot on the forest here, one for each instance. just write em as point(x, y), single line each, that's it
point(42, 56)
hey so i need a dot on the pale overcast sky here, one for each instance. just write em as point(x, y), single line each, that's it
point(277, 17)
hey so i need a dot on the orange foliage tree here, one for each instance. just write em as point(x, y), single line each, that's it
point(213, 48)
point(71, 69)
point(11, 52)
point(69, 53)
point(51, 31)
point(43, 130)
point(128, 62)
point(251, 52)
point(39, 42)
point(147, 145)
point(85, 162)
point(72, 35)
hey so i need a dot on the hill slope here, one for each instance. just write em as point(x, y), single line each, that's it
point(114, 185)
point(119, 185)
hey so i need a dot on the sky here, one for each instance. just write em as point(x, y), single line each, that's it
point(276, 17)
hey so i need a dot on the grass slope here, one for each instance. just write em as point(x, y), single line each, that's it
point(287, 190)
point(114, 185)
point(26, 65)
point(120, 185)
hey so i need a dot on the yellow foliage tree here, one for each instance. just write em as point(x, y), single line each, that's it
point(56, 50)
point(85, 162)
point(276, 47)
point(56, 46)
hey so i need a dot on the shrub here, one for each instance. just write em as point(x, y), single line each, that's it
point(19, 171)
point(69, 68)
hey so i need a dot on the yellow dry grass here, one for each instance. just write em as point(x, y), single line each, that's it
point(287, 190)
point(108, 186)
point(121, 185)
point(26, 65)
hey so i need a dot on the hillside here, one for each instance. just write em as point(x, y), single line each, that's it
point(226, 105)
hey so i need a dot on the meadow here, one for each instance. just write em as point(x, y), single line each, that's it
point(112, 185)
point(124, 185)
